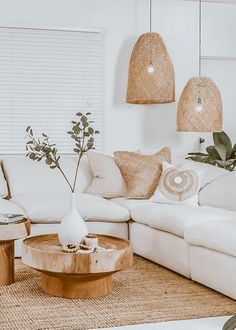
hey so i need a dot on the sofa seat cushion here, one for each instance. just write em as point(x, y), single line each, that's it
point(130, 204)
point(214, 235)
point(7, 206)
point(50, 208)
point(175, 219)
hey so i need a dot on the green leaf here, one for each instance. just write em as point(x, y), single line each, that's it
point(230, 324)
point(32, 156)
point(76, 150)
point(85, 124)
point(84, 118)
point(221, 150)
point(76, 129)
point(197, 153)
point(90, 130)
point(233, 153)
point(88, 113)
point(223, 138)
point(79, 114)
point(48, 161)
point(27, 129)
point(213, 152)
point(89, 145)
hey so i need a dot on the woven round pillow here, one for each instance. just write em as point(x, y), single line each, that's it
point(178, 185)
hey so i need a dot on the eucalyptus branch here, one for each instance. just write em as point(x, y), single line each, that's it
point(42, 149)
point(82, 133)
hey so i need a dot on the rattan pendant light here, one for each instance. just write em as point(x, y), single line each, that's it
point(151, 73)
point(200, 105)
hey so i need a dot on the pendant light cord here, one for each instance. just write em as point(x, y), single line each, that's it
point(200, 39)
point(150, 29)
point(150, 15)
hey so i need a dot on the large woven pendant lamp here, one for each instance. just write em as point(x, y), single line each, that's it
point(151, 73)
point(200, 105)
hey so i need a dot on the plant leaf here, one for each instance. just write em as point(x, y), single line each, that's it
point(230, 324)
point(221, 150)
point(223, 138)
point(211, 150)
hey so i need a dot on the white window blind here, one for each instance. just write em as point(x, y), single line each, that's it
point(46, 77)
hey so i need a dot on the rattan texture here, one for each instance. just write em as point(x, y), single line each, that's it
point(141, 172)
point(150, 88)
point(208, 120)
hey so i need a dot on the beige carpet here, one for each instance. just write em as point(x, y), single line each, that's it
point(142, 294)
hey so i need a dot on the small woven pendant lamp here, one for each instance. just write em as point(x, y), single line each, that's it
point(151, 73)
point(200, 104)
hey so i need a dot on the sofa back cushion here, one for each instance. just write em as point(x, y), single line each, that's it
point(3, 184)
point(25, 176)
point(220, 193)
point(107, 181)
point(208, 172)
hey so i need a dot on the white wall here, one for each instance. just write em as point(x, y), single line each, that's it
point(137, 126)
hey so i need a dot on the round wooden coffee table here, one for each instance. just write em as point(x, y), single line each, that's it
point(76, 275)
point(9, 233)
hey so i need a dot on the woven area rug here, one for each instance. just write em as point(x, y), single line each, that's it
point(142, 294)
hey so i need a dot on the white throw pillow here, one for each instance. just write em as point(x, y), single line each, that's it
point(3, 184)
point(107, 179)
point(177, 186)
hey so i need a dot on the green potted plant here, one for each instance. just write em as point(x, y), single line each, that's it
point(221, 154)
point(230, 324)
point(73, 228)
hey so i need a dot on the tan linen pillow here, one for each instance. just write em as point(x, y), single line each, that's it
point(107, 179)
point(141, 172)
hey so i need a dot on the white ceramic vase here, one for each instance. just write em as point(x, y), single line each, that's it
point(73, 228)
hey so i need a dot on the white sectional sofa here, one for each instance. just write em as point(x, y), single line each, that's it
point(197, 242)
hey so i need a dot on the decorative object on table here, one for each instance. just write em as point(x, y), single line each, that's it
point(91, 240)
point(107, 181)
point(200, 104)
point(73, 228)
point(151, 73)
point(177, 186)
point(141, 172)
point(222, 154)
point(230, 324)
point(70, 247)
point(90, 246)
point(8, 234)
point(76, 275)
point(10, 218)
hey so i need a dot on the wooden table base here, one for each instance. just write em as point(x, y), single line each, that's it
point(82, 286)
point(6, 262)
